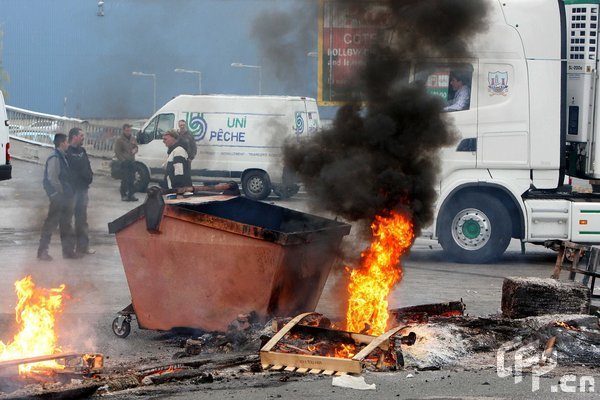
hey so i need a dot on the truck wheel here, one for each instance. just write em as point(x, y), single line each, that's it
point(256, 185)
point(141, 178)
point(475, 229)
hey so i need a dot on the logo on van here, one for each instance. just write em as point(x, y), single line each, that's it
point(197, 125)
point(299, 123)
point(498, 83)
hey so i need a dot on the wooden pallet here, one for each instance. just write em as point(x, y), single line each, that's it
point(311, 364)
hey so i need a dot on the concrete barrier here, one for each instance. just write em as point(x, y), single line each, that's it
point(29, 150)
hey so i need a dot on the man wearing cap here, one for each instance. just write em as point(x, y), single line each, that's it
point(125, 150)
point(177, 167)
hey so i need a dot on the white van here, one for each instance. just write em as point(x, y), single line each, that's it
point(5, 166)
point(238, 138)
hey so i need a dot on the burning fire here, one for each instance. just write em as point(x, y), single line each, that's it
point(35, 313)
point(379, 271)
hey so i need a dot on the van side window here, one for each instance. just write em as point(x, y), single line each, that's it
point(452, 82)
point(156, 127)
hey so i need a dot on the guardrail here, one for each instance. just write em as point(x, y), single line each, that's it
point(40, 128)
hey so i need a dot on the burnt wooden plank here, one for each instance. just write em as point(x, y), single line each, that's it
point(525, 297)
point(314, 362)
point(31, 360)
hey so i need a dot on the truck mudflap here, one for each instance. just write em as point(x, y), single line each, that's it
point(5, 172)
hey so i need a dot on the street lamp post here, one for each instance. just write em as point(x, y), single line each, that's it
point(191, 71)
point(135, 73)
point(240, 65)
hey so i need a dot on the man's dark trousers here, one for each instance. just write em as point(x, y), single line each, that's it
point(59, 214)
point(80, 199)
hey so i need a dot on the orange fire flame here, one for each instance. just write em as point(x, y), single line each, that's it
point(35, 314)
point(370, 284)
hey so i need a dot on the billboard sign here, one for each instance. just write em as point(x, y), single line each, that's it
point(346, 32)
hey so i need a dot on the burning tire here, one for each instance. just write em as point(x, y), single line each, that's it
point(475, 228)
point(286, 191)
point(141, 178)
point(256, 185)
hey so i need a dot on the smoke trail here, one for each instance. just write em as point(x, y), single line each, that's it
point(385, 156)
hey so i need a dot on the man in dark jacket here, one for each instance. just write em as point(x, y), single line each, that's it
point(125, 150)
point(187, 139)
point(57, 184)
point(177, 168)
point(81, 178)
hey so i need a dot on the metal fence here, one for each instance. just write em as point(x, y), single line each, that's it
point(34, 127)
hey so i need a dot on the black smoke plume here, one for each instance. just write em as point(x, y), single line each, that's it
point(381, 153)
point(284, 39)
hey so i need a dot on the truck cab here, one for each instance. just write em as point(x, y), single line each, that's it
point(531, 122)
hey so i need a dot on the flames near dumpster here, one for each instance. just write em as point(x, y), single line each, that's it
point(36, 312)
point(379, 272)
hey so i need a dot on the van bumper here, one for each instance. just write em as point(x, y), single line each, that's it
point(5, 172)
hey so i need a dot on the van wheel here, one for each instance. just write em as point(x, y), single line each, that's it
point(141, 177)
point(475, 229)
point(256, 185)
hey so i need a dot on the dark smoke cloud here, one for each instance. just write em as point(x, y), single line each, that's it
point(384, 156)
point(284, 39)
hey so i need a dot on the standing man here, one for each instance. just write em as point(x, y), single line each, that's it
point(177, 168)
point(81, 178)
point(125, 150)
point(187, 139)
point(57, 184)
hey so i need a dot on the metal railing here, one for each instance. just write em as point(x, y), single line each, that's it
point(35, 127)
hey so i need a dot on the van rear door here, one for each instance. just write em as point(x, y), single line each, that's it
point(5, 166)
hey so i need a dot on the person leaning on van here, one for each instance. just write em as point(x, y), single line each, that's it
point(177, 167)
point(125, 150)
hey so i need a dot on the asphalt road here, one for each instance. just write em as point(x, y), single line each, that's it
point(98, 289)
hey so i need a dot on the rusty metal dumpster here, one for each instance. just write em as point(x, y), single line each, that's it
point(200, 262)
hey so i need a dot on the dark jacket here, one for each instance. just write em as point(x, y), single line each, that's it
point(81, 170)
point(189, 143)
point(57, 179)
point(177, 170)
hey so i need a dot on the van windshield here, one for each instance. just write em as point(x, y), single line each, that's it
point(156, 128)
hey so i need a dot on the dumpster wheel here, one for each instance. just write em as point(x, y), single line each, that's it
point(121, 326)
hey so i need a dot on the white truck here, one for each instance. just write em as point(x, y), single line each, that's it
point(5, 166)
point(238, 137)
point(533, 121)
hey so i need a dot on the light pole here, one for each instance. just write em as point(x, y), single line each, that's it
point(135, 73)
point(191, 71)
point(240, 65)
